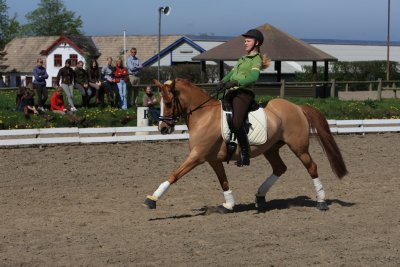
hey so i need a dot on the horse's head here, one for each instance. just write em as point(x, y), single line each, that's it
point(171, 108)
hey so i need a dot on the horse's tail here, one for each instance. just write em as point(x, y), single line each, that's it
point(319, 125)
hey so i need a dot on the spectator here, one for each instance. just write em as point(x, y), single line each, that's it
point(2, 83)
point(120, 78)
point(82, 83)
point(150, 100)
point(107, 75)
point(66, 75)
point(20, 94)
point(94, 81)
point(57, 101)
point(26, 104)
point(39, 83)
point(134, 67)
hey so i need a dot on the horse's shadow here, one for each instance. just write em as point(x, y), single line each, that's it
point(275, 204)
point(281, 204)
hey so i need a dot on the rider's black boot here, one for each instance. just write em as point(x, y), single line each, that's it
point(244, 158)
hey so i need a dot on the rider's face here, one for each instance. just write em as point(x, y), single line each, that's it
point(249, 44)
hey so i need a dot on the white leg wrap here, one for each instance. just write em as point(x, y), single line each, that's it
point(161, 190)
point(319, 189)
point(229, 200)
point(266, 185)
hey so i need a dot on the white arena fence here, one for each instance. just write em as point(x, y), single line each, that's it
point(48, 136)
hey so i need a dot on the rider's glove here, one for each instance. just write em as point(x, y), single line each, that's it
point(231, 84)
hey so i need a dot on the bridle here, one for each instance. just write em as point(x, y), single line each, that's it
point(177, 109)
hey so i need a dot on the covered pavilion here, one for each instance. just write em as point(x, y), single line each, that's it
point(278, 46)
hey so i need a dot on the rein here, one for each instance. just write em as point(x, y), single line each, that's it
point(170, 120)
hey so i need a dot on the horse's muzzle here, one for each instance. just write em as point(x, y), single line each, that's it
point(167, 129)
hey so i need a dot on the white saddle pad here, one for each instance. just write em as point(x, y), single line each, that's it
point(258, 130)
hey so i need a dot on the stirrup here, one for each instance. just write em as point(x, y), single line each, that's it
point(230, 149)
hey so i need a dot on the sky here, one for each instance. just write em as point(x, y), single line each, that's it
point(305, 19)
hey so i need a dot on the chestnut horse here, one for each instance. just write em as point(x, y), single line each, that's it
point(287, 124)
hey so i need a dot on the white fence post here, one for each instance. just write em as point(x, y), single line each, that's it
point(142, 119)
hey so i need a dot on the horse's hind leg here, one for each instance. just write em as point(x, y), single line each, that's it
point(278, 168)
point(312, 169)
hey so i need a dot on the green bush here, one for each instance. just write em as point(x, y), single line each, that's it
point(10, 118)
point(352, 71)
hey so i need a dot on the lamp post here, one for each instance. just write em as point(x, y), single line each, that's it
point(162, 10)
point(388, 44)
point(124, 47)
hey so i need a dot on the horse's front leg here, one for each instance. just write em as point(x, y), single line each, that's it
point(228, 205)
point(191, 162)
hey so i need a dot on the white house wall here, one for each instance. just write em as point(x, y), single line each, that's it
point(65, 51)
point(164, 61)
point(207, 45)
point(184, 53)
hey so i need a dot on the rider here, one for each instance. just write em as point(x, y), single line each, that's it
point(238, 95)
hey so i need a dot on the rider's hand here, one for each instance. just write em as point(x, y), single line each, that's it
point(221, 86)
point(231, 84)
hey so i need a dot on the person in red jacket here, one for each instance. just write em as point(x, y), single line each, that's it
point(120, 78)
point(57, 101)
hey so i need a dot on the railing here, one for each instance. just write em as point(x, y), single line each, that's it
point(129, 134)
point(320, 89)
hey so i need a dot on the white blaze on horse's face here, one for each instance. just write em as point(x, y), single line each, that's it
point(167, 124)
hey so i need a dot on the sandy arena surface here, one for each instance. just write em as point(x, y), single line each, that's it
point(82, 206)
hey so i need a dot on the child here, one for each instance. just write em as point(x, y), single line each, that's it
point(26, 104)
point(57, 101)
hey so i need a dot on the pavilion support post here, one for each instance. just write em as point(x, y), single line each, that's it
point(326, 78)
point(278, 69)
point(203, 73)
point(326, 70)
point(314, 71)
point(221, 70)
point(314, 78)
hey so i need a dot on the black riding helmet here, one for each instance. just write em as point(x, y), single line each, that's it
point(255, 34)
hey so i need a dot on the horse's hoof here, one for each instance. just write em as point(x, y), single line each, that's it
point(260, 202)
point(222, 210)
point(322, 206)
point(149, 203)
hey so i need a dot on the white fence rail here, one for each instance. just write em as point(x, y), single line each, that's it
point(129, 134)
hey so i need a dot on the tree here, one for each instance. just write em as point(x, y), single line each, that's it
point(52, 18)
point(9, 27)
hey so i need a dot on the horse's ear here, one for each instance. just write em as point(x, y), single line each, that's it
point(170, 83)
point(166, 89)
point(157, 83)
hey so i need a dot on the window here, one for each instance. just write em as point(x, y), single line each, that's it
point(74, 59)
point(18, 81)
point(57, 60)
point(28, 80)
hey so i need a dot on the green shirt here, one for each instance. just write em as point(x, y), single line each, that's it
point(246, 71)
